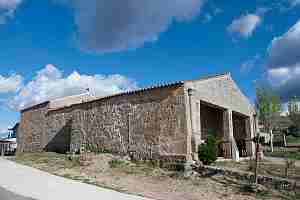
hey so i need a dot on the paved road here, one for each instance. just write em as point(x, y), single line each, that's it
point(6, 195)
point(28, 182)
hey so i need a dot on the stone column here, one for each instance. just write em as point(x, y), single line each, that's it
point(195, 122)
point(228, 133)
point(230, 146)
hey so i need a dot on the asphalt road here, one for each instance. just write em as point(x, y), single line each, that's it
point(39, 185)
point(6, 195)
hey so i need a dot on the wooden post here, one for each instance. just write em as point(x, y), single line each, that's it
point(256, 158)
point(284, 140)
point(271, 141)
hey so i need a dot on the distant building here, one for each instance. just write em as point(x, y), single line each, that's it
point(167, 121)
point(8, 145)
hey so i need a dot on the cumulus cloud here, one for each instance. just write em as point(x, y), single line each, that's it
point(245, 25)
point(249, 64)
point(7, 9)
point(50, 83)
point(284, 50)
point(294, 3)
point(105, 26)
point(283, 64)
point(10, 83)
point(9, 4)
point(3, 134)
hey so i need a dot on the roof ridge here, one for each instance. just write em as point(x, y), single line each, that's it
point(156, 86)
point(210, 77)
point(76, 95)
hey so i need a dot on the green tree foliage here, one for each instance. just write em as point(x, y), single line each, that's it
point(294, 112)
point(268, 106)
point(208, 152)
point(294, 115)
point(293, 105)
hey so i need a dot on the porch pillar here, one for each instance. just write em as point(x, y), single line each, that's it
point(230, 147)
point(195, 121)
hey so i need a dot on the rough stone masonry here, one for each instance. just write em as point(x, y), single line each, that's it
point(162, 122)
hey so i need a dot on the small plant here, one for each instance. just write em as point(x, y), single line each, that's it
point(208, 152)
point(115, 163)
point(97, 150)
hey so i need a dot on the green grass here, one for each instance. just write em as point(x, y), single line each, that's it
point(45, 160)
point(293, 155)
point(292, 140)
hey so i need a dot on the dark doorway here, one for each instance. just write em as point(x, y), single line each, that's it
point(212, 124)
point(240, 132)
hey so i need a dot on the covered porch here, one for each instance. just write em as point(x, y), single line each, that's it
point(233, 131)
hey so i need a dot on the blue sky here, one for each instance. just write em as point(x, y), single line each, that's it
point(54, 48)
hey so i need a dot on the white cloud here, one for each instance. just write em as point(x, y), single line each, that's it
point(283, 64)
point(245, 25)
point(105, 26)
point(3, 135)
point(9, 4)
point(3, 131)
point(279, 76)
point(50, 83)
point(7, 9)
point(294, 3)
point(284, 50)
point(249, 64)
point(11, 83)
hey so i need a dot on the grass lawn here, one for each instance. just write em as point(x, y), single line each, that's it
point(290, 153)
point(292, 140)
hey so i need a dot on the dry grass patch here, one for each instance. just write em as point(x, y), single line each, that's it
point(267, 168)
point(145, 179)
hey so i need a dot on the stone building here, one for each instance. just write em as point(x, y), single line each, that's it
point(162, 122)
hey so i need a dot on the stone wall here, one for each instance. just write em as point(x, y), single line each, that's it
point(221, 91)
point(147, 124)
point(268, 181)
point(31, 132)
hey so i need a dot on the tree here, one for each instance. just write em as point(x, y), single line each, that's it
point(294, 112)
point(208, 152)
point(268, 106)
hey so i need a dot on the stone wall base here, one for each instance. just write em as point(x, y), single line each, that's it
point(268, 181)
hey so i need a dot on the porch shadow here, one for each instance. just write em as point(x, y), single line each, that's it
point(60, 143)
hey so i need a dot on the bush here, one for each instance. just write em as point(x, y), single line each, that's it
point(294, 131)
point(115, 163)
point(208, 152)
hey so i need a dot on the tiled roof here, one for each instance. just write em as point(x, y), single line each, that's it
point(79, 99)
point(70, 100)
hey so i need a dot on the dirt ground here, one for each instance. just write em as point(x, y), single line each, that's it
point(144, 179)
point(270, 167)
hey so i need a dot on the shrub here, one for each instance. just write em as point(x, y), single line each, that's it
point(294, 131)
point(208, 152)
point(115, 163)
